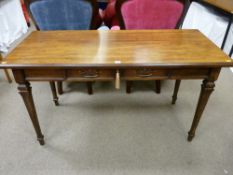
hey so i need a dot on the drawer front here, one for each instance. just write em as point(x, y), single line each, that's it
point(89, 74)
point(44, 74)
point(157, 74)
point(145, 74)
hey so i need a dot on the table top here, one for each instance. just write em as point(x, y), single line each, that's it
point(116, 48)
point(226, 5)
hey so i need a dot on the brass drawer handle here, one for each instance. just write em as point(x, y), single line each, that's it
point(144, 73)
point(89, 73)
point(90, 76)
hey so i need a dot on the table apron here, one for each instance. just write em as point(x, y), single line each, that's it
point(102, 74)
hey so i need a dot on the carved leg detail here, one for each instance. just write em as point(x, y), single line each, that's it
point(59, 87)
point(206, 90)
point(158, 86)
point(26, 93)
point(89, 88)
point(128, 86)
point(176, 89)
point(54, 92)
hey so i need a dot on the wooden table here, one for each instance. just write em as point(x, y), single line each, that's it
point(115, 55)
point(225, 6)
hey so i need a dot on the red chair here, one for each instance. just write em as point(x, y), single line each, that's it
point(146, 14)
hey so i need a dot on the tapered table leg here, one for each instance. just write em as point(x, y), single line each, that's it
point(176, 89)
point(26, 93)
point(206, 90)
point(54, 92)
point(128, 87)
point(158, 86)
point(59, 87)
point(89, 88)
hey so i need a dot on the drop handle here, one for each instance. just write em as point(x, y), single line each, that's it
point(117, 80)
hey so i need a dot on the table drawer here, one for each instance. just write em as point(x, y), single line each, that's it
point(156, 74)
point(87, 74)
point(44, 74)
point(145, 74)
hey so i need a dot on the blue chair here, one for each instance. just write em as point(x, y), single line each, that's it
point(64, 15)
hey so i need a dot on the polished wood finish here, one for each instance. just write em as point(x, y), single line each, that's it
point(138, 48)
point(113, 55)
point(226, 5)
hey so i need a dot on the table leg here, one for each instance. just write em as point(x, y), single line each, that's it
point(176, 89)
point(7, 76)
point(206, 90)
point(26, 93)
point(59, 87)
point(128, 87)
point(227, 32)
point(54, 92)
point(157, 86)
point(89, 88)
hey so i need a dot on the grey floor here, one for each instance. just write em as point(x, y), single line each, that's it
point(114, 133)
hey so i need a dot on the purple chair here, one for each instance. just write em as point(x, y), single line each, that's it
point(150, 14)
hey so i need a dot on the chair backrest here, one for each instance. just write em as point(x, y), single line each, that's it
point(63, 14)
point(151, 14)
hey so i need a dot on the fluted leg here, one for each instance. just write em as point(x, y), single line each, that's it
point(59, 87)
point(54, 92)
point(206, 90)
point(26, 93)
point(176, 89)
point(158, 86)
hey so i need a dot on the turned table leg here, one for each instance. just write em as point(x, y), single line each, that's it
point(54, 92)
point(176, 89)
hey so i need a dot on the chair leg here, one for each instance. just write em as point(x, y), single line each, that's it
point(7, 76)
point(54, 92)
point(89, 88)
point(176, 89)
point(158, 86)
point(59, 87)
point(231, 52)
point(128, 86)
